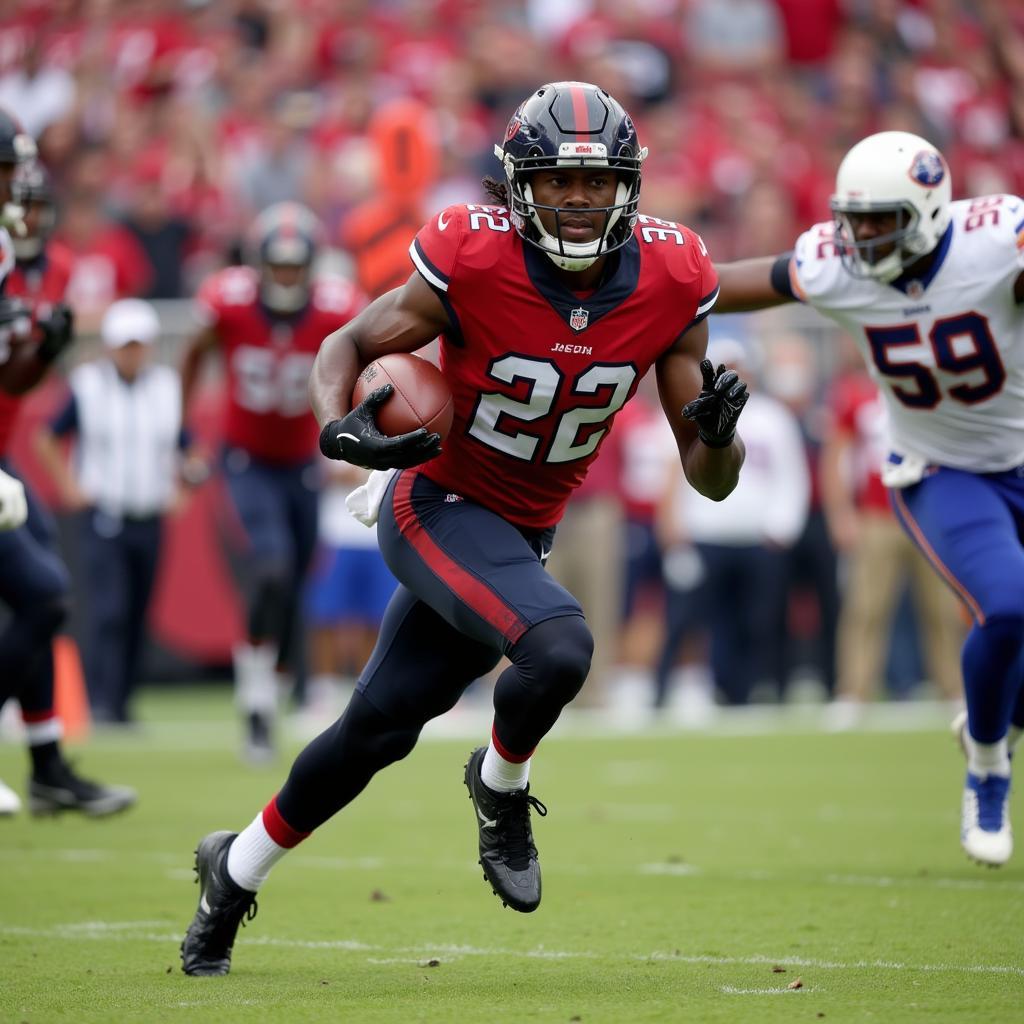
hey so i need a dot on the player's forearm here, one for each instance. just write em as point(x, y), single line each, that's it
point(714, 471)
point(747, 285)
point(334, 373)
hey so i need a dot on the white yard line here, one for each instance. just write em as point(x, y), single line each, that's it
point(137, 931)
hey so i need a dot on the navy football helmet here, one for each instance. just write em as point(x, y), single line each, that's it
point(285, 235)
point(572, 124)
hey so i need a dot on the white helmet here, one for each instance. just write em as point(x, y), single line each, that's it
point(891, 172)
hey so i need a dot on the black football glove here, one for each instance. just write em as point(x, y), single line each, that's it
point(355, 438)
point(718, 406)
point(57, 330)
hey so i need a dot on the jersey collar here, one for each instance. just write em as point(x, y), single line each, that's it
point(909, 281)
point(612, 292)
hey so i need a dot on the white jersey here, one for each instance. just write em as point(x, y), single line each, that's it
point(948, 350)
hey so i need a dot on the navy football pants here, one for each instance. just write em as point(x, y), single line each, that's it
point(277, 506)
point(472, 589)
point(34, 585)
point(969, 526)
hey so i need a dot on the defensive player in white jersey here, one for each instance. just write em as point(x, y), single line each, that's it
point(931, 290)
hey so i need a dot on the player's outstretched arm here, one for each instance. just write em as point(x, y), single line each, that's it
point(402, 320)
point(753, 284)
point(702, 407)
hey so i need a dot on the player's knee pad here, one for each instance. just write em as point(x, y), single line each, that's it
point(554, 657)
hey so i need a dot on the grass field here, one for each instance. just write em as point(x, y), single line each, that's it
point(687, 878)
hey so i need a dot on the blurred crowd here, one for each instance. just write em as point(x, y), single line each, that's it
point(167, 125)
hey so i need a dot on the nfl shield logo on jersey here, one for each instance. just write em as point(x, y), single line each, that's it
point(579, 318)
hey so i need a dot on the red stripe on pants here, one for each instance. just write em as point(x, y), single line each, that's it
point(471, 591)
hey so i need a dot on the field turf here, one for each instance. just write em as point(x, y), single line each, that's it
point(786, 876)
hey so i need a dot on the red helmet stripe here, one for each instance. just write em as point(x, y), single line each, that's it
point(579, 110)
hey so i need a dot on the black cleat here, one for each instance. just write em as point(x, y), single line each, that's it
point(223, 906)
point(507, 853)
point(60, 789)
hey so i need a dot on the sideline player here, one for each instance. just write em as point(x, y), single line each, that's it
point(34, 583)
point(269, 320)
point(551, 308)
point(932, 291)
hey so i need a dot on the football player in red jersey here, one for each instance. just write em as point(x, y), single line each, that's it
point(34, 583)
point(268, 320)
point(551, 306)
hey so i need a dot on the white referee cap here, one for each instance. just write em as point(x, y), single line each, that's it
point(129, 320)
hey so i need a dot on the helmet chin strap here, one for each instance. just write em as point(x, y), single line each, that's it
point(573, 256)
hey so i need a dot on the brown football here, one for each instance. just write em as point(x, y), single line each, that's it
point(421, 397)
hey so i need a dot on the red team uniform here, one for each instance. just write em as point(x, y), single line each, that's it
point(538, 372)
point(268, 360)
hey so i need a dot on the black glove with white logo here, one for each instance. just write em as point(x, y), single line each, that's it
point(355, 438)
point(718, 406)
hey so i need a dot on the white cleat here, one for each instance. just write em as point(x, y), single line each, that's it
point(985, 832)
point(10, 802)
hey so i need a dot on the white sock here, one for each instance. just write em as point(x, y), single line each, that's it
point(256, 679)
point(503, 776)
point(252, 855)
point(984, 759)
point(1013, 736)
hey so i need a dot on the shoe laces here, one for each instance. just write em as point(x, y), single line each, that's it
point(513, 826)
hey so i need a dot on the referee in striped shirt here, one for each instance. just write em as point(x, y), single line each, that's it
point(124, 412)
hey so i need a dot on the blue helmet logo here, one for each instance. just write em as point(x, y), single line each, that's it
point(928, 168)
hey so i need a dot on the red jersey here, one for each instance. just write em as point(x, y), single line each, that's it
point(859, 414)
point(537, 372)
point(41, 283)
point(269, 358)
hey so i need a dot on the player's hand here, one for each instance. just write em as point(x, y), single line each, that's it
point(13, 506)
point(718, 406)
point(57, 330)
point(355, 438)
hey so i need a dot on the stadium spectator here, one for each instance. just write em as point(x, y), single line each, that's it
point(123, 481)
point(737, 546)
point(348, 591)
point(880, 559)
